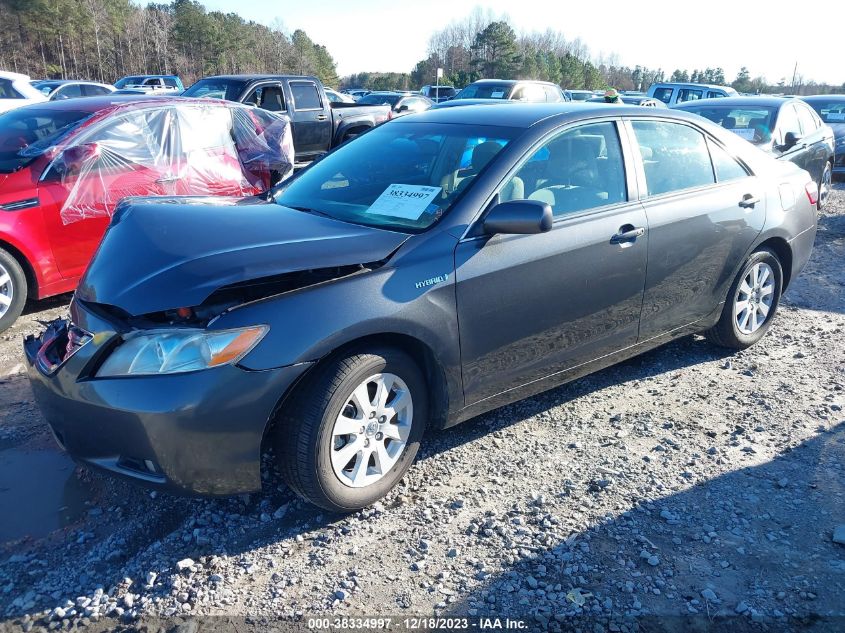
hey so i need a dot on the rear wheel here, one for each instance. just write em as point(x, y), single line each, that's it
point(352, 430)
point(13, 290)
point(825, 185)
point(751, 303)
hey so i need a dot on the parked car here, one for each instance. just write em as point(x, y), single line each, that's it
point(338, 97)
point(151, 83)
point(390, 288)
point(578, 95)
point(65, 165)
point(460, 103)
point(671, 93)
point(401, 103)
point(16, 91)
point(831, 109)
point(318, 123)
point(355, 93)
point(55, 89)
point(513, 89)
point(789, 129)
point(438, 93)
point(647, 102)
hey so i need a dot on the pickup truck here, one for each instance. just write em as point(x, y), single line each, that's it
point(318, 124)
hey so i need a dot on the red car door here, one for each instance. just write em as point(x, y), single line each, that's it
point(125, 156)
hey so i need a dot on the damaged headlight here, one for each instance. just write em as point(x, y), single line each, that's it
point(175, 351)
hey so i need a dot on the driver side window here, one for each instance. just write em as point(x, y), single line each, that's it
point(577, 170)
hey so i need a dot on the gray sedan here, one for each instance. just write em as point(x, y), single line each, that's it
point(431, 270)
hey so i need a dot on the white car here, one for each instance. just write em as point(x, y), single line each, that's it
point(16, 91)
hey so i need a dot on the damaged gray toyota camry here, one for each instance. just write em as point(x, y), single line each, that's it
point(430, 270)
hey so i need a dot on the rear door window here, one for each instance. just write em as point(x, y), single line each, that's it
point(94, 91)
point(806, 118)
point(170, 82)
point(689, 94)
point(305, 95)
point(787, 122)
point(726, 166)
point(68, 92)
point(675, 156)
point(7, 91)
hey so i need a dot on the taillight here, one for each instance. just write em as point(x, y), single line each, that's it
point(812, 192)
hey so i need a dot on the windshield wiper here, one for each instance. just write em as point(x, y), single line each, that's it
point(305, 210)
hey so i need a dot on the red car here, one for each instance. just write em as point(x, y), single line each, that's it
point(65, 165)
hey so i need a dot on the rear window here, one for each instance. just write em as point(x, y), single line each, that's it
point(214, 88)
point(485, 91)
point(7, 91)
point(26, 134)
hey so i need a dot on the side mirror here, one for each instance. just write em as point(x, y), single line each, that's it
point(519, 217)
point(790, 140)
point(74, 158)
point(403, 108)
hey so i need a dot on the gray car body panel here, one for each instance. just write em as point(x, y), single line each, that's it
point(495, 321)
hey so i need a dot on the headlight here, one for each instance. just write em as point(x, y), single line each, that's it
point(175, 351)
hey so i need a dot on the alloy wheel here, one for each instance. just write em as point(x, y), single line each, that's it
point(372, 430)
point(7, 290)
point(754, 298)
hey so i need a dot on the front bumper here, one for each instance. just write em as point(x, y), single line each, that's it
point(195, 433)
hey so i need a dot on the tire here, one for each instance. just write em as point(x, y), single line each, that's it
point(825, 185)
point(729, 331)
point(13, 290)
point(307, 435)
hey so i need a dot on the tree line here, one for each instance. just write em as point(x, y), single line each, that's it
point(106, 39)
point(482, 45)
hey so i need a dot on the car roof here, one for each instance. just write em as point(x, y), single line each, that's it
point(511, 82)
point(256, 76)
point(106, 102)
point(764, 101)
point(525, 115)
point(823, 98)
point(13, 76)
point(149, 76)
point(673, 84)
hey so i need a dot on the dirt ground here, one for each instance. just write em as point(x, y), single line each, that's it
point(687, 489)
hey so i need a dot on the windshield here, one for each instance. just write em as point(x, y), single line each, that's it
point(403, 177)
point(27, 133)
point(830, 111)
point(46, 87)
point(484, 91)
point(753, 123)
point(127, 81)
point(379, 99)
point(229, 89)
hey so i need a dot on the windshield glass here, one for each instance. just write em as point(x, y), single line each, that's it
point(126, 81)
point(485, 91)
point(379, 99)
point(46, 87)
point(229, 89)
point(753, 123)
point(27, 133)
point(830, 111)
point(403, 177)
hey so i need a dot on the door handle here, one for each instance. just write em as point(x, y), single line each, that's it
point(748, 201)
point(322, 117)
point(627, 233)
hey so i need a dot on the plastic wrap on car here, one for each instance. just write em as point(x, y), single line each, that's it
point(173, 149)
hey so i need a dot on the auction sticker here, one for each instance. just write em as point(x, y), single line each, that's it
point(744, 132)
point(404, 201)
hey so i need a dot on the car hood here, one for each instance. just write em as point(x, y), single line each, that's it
point(166, 253)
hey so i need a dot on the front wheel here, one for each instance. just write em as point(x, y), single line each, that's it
point(825, 185)
point(352, 430)
point(751, 303)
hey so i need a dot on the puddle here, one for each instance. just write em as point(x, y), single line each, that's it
point(38, 493)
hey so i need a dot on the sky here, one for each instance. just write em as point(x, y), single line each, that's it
point(392, 35)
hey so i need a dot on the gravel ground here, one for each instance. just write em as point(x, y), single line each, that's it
point(685, 489)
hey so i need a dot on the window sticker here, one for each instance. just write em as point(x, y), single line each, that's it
point(497, 94)
point(836, 116)
point(404, 201)
point(744, 132)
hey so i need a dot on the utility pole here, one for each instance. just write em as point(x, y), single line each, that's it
point(794, 75)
